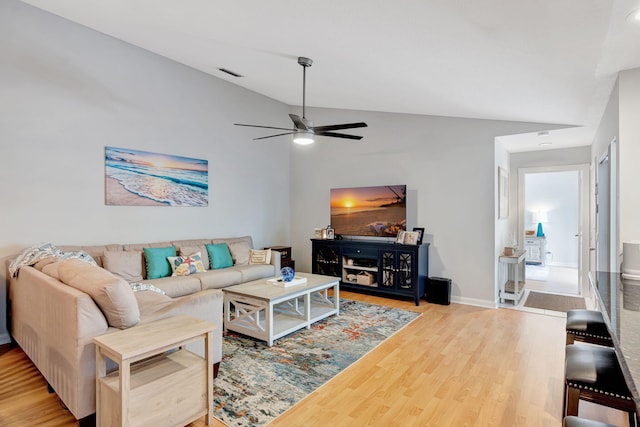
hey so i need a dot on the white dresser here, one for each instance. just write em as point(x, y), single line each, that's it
point(535, 249)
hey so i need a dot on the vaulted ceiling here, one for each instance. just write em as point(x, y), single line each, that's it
point(537, 61)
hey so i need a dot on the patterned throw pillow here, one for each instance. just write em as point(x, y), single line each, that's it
point(186, 265)
point(261, 256)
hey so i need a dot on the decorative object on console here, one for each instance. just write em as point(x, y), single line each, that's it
point(411, 237)
point(303, 129)
point(142, 178)
point(331, 233)
point(287, 274)
point(420, 231)
point(400, 237)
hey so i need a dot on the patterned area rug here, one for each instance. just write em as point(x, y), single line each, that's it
point(257, 383)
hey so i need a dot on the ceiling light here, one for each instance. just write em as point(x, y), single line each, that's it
point(545, 143)
point(543, 133)
point(303, 138)
point(634, 16)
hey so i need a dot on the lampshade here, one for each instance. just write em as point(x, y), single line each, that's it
point(303, 138)
point(541, 216)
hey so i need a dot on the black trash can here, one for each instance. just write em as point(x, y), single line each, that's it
point(438, 290)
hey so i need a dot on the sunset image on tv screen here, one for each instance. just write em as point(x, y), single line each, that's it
point(369, 211)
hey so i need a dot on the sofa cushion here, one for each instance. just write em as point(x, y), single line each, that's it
point(255, 271)
point(111, 293)
point(219, 255)
point(157, 262)
point(220, 278)
point(125, 264)
point(260, 256)
point(176, 286)
point(186, 265)
point(240, 250)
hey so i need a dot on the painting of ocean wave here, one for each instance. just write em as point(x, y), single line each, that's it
point(141, 178)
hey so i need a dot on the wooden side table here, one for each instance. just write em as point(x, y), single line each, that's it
point(163, 389)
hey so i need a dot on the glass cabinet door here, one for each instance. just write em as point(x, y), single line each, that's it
point(327, 261)
point(396, 272)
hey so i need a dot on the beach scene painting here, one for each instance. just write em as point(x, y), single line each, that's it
point(142, 178)
point(369, 211)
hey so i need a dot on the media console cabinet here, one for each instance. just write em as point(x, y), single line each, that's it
point(371, 266)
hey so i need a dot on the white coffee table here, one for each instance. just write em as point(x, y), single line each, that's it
point(267, 312)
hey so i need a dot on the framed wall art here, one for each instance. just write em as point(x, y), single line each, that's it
point(143, 178)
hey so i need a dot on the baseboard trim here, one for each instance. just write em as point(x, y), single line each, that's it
point(5, 338)
point(475, 302)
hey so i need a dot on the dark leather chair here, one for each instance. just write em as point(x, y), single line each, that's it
point(593, 374)
point(587, 326)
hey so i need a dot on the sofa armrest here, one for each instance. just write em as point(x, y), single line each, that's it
point(54, 324)
point(275, 261)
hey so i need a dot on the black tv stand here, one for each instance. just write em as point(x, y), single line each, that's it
point(378, 267)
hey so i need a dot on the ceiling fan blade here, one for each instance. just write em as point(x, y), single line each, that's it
point(339, 127)
point(338, 135)
point(298, 122)
point(262, 127)
point(273, 136)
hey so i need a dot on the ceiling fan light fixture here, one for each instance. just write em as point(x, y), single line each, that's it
point(634, 16)
point(303, 138)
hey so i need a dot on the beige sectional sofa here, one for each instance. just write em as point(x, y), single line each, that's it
point(57, 306)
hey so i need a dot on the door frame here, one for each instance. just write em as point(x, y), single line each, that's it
point(583, 220)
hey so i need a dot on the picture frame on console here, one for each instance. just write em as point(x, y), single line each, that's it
point(411, 237)
point(420, 231)
point(400, 237)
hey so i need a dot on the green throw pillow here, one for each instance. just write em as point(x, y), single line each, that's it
point(157, 263)
point(219, 255)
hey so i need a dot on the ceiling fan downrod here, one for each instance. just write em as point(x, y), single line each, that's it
point(305, 62)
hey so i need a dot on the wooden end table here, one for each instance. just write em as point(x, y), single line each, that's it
point(163, 388)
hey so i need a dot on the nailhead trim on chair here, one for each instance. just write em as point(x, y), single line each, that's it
point(606, 393)
point(584, 334)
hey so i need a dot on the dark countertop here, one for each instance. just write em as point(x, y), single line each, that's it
point(619, 301)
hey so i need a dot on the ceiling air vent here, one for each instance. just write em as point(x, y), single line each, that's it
point(231, 73)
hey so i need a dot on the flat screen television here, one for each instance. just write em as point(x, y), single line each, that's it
point(379, 211)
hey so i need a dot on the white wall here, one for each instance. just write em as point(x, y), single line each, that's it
point(629, 155)
point(449, 167)
point(67, 92)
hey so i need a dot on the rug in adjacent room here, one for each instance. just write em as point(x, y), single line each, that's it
point(554, 302)
point(257, 383)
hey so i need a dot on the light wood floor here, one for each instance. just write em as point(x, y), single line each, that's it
point(455, 365)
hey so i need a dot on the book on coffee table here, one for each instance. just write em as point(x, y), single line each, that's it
point(278, 281)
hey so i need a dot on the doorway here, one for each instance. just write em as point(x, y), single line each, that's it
point(553, 217)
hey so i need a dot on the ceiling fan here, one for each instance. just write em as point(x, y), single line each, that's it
point(303, 129)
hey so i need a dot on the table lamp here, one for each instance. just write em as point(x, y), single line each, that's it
point(540, 217)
